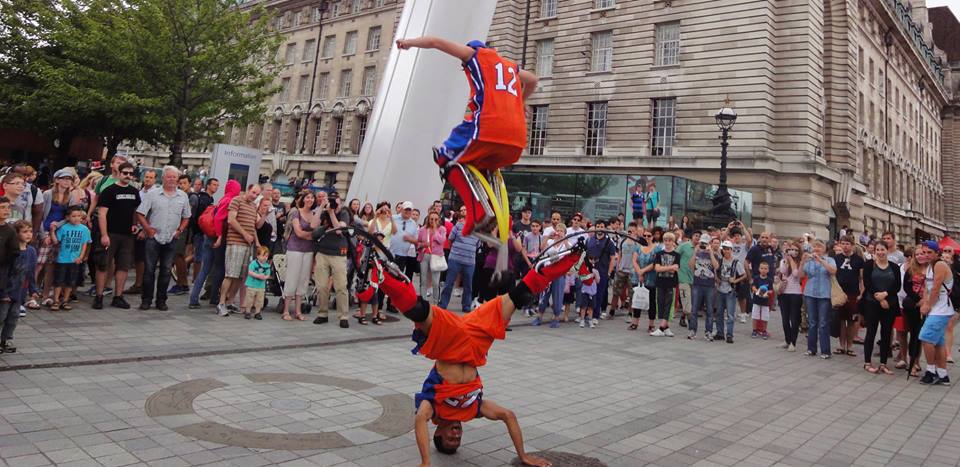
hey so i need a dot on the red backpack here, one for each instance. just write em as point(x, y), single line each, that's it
point(206, 222)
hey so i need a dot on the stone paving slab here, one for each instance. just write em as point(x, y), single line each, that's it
point(620, 397)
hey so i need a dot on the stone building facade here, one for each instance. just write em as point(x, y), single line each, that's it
point(844, 105)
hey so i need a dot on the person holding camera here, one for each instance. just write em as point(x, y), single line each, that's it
point(741, 238)
point(818, 268)
point(791, 295)
point(331, 259)
point(704, 264)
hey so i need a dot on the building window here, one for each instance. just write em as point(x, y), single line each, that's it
point(548, 8)
point(317, 136)
point(337, 134)
point(664, 126)
point(668, 44)
point(350, 43)
point(275, 137)
point(323, 86)
point(601, 4)
point(602, 51)
point(285, 90)
point(295, 144)
point(309, 50)
point(378, 3)
point(291, 54)
point(317, 14)
point(356, 6)
point(369, 81)
point(298, 18)
point(538, 129)
point(860, 61)
point(304, 91)
point(336, 10)
point(346, 76)
point(373, 39)
point(361, 132)
point(596, 128)
point(545, 57)
point(329, 46)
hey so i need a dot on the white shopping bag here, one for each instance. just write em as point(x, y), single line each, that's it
point(641, 298)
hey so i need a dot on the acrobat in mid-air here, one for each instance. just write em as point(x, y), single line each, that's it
point(453, 391)
point(492, 135)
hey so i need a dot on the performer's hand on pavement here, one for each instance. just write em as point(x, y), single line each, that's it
point(534, 461)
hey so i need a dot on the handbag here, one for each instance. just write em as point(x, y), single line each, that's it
point(779, 285)
point(838, 297)
point(438, 263)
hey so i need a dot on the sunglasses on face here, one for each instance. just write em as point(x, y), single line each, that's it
point(126, 172)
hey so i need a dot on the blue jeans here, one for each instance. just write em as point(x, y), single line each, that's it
point(465, 271)
point(727, 307)
point(818, 322)
point(157, 254)
point(555, 293)
point(217, 271)
point(600, 299)
point(699, 296)
point(203, 249)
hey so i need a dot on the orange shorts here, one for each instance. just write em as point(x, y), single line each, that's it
point(490, 156)
point(465, 339)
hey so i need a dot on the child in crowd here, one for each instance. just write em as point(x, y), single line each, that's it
point(667, 263)
point(28, 288)
point(761, 286)
point(257, 274)
point(531, 242)
point(73, 239)
point(554, 294)
point(21, 272)
point(588, 292)
point(569, 297)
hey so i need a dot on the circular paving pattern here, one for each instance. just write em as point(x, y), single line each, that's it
point(564, 459)
point(286, 411)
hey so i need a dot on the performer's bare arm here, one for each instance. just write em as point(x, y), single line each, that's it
point(424, 414)
point(460, 51)
point(493, 411)
point(529, 82)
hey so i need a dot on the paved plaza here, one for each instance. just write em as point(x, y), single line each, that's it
point(186, 387)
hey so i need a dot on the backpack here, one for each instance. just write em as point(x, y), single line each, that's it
point(206, 223)
point(953, 293)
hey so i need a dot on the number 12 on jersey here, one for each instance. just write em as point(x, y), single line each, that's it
point(510, 87)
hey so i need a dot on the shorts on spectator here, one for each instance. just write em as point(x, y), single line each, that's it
point(254, 299)
point(933, 329)
point(120, 252)
point(66, 274)
point(760, 312)
point(568, 298)
point(47, 253)
point(586, 300)
point(849, 310)
point(237, 260)
point(743, 290)
point(621, 282)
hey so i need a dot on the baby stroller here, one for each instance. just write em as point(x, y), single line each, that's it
point(275, 286)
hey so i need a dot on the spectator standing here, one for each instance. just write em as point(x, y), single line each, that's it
point(603, 249)
point(73, 239)
point(430, 240)
point(331, 259)
point(164, 214)
point(523, 226)
point(818, 268)
point(704, 264)
point(257, 274)
point(9, 242)
point(241, 240)
point(894, 255)
point(685, 274)
point(302, 220)
point(881, 281)
point(403, 245)
point(280, 210)
point(666, 264)
point(20, 272)
point(180, 247)
point(139, 246)
point(648, 278)
point(653, 203)
point(730, 275)
point(791, 295)
point(202, 244)
point(531, 242)
point(741, 239)
point(850, 276)
point(638, 201)
point(936, 306)
point(761, 288)
point(219, 246)
point(626, 265)
point(56, 200)
point(462, 262)
point(116, 218)
point(555, 293)
point(384, 224)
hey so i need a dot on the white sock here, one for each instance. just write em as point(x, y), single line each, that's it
point(941, 372)
point(931, 369)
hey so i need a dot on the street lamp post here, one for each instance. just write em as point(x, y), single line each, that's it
point(722, 209)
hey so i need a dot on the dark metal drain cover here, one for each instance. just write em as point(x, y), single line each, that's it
point(564, 459)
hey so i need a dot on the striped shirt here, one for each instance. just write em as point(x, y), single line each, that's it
point(463, 248)
point(246, 217)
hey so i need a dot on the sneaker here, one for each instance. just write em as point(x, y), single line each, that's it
point(729, 339)
point(144, 306)
point(683, 321)
point(74, 298)
point(178, 290)
point(692, 335)
point(457, 292)
point(791, 348)
point(754, 334)
point(708, 337)
point(810, 354)
point(23, 312)
point(246, 315)
point(657, 333)
point(825, 356)
point(555, 323)
point(344, 324)
point(193, 306)
point(536, 321)
point(106, 291)
point(474, 304)
point(743, 318)
point(92, 291)
point(579, 319)
point(929, 377)
point(98, 302)
point(667, 332)
point(764, 335)
point(604, 315)
point(321, 320)
point(783, 346)
point(945, 381)
point(593, 324)
point(718, 336)
point(232, 308)
point(117, 302)
point(162, 306)
point(583, 324)
point(222, 310)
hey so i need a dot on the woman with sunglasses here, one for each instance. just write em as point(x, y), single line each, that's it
point(792, 295)
point(647, 278)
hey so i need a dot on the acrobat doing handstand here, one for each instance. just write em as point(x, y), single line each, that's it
point(453, 391)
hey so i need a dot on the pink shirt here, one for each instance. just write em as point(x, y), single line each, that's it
point(436, 241)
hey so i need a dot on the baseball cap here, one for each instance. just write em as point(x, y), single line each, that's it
point(65, 172)
point(705, 239)
point(477, 44)
point(726, 244)
point(933, 245)
point(406, 205)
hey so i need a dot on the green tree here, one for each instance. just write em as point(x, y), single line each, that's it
point(210, 62)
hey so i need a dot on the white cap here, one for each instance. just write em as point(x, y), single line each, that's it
point(726, 244)
point(65, 172)
point(406, 205)
point(705, 239)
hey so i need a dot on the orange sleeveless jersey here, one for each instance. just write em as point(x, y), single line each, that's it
point(496, 99)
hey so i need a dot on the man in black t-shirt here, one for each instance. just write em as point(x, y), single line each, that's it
point(523, 225)
point(115, 217)
point(850, 277)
